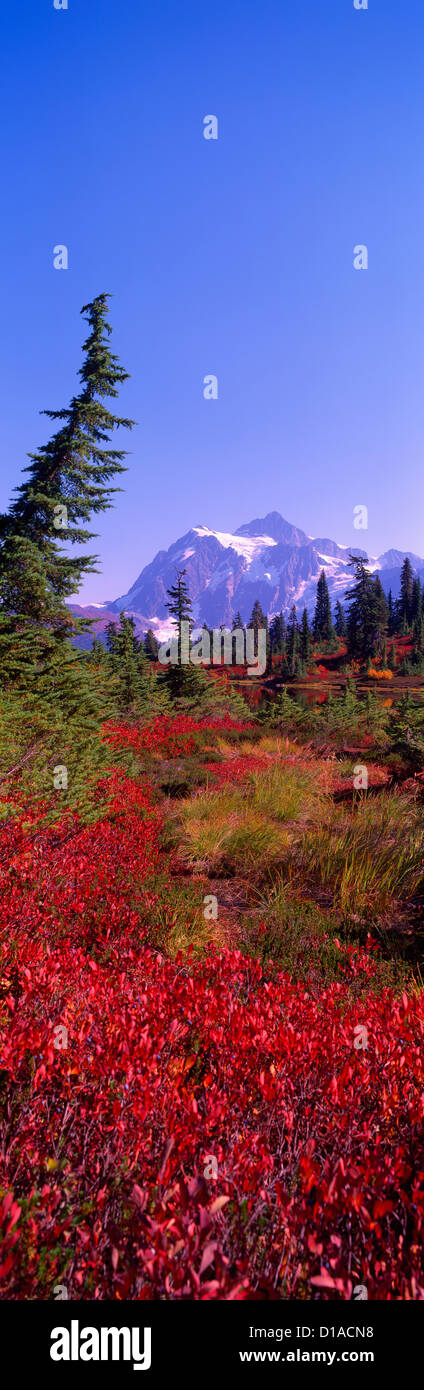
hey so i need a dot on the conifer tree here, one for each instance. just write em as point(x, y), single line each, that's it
point(257, 618)
point(358, 599)
point(391, 620)
point(237, 626)
point(98, 650)
point(405, 604)
point(181, 679)
point(151, 646)
point(127, 664)
point(258, 621)
point(98, 657)
point(277, 633)
point(285, 668)
point(418, 637)
point(122, 637)
point(340, 625)
point(69, 478)
point(322, 625)
point(417, 600)
point(305, 637)
point(179, 606)
point(293, 641)
point(379, 613)
point(368, 611)
point(238, 622)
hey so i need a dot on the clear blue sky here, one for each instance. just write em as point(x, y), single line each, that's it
point(232, 257)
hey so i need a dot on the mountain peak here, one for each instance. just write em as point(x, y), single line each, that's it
point(274, 525)
point(267, 559)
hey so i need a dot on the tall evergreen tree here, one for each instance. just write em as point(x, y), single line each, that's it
point(257, 617)
point(417, 600)
point(340, 625)
point(358, 600)
point(259, 621)
point(305, 637)
point(181, 679)
point(322, 625)
point(69, 478)
point(127, 664)
point(293, 640)
point(180, 606)
point(405, 604)
point(417, 629)
point(238, 622)
point(368, 611)
point(391, 620)
point(277, 633)
point(121, 637)
point(380, 615)
point(151, 646)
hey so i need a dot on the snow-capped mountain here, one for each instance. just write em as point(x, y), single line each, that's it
point(266, 559)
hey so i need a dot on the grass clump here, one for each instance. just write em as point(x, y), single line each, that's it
point(370, 855)
point(223, 833)
point(250, 829)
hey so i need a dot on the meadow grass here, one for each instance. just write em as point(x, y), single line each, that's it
point(249, 829)
point(221, 832)
point(369, 854)
point(290, 792)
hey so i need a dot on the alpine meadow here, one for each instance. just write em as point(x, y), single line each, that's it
point(211, 689)
point(211, 993)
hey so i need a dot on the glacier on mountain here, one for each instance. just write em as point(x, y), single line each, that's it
point(267, 559)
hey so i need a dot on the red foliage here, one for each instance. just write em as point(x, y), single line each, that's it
point(108, 1137)
point(78, 881)
point(169, 736)
point(235, 769)
point(377, 777)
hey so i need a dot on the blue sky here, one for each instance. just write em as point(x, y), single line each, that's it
point(232, 257)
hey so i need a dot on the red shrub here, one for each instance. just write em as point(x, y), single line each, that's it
point(169, 736)
point(235, 769)
point(191, 1128)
